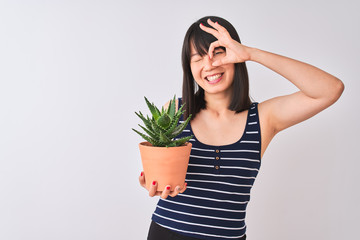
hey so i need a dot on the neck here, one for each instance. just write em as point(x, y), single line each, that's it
point(217, 104)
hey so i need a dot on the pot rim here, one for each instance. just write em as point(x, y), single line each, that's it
point(148, 145)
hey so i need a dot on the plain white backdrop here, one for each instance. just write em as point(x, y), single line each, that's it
point(72, 74)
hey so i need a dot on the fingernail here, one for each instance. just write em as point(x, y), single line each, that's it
point(185, 184)
point(154, 182)
point(201, 24)
point(142, 173)
point(216, 23)
point(178, 188)
point(168, 188)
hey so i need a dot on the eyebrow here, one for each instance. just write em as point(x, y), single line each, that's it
point(222, 48)
point(194, 55)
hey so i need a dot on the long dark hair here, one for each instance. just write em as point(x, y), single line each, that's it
point(194, 98)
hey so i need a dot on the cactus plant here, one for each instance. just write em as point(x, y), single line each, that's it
point(163, 126)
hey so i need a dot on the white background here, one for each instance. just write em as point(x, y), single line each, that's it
point(72, 74)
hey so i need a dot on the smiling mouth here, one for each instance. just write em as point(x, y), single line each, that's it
point(214, 77)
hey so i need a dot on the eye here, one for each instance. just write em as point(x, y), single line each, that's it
point(218, 52)
point(196, 59)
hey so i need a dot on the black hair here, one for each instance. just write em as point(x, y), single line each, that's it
point(194, 98)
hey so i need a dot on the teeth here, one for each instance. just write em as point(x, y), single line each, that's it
point(212, 78)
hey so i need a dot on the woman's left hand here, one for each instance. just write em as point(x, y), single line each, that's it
point(235, 51)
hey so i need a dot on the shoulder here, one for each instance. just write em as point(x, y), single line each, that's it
point(166, 105)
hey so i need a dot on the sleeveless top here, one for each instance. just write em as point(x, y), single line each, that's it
point(219, 179)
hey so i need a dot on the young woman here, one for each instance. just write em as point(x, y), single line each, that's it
point(229, 143)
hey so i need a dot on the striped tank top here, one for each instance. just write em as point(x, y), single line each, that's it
point(219, 179)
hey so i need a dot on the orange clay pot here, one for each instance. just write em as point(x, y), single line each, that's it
point(166, 166)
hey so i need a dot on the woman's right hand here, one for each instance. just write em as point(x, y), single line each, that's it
point(153, 191)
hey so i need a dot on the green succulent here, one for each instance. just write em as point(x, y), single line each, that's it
point(163, 126)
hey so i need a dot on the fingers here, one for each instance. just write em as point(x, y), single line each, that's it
point(211, 23)
point(175, 192)
point(166, 192)
point(184, 188)
point(163, 194)
point(215, 32)
point(217, 26)
point(142, 180)
point(220, 33)
point(218, 63)
point(178, 190)
point(212, 31)
point(212, 47)
point(153, 189)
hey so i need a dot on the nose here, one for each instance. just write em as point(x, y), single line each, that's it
point(208, 63)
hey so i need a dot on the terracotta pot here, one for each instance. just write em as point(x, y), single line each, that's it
point(167, 166)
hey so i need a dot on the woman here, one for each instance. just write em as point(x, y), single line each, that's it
point(222, 168)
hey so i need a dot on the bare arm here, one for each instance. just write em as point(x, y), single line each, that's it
point(318, 89)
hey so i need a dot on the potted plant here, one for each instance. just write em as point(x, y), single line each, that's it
point(164, 159)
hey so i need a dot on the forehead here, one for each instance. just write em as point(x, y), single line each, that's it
point(192, 49)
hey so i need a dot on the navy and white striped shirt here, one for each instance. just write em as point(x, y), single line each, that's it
point(219, 182)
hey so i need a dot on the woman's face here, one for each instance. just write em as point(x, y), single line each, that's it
point(211, 79)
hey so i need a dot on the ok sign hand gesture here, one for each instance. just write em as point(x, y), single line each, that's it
point(235, 51)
